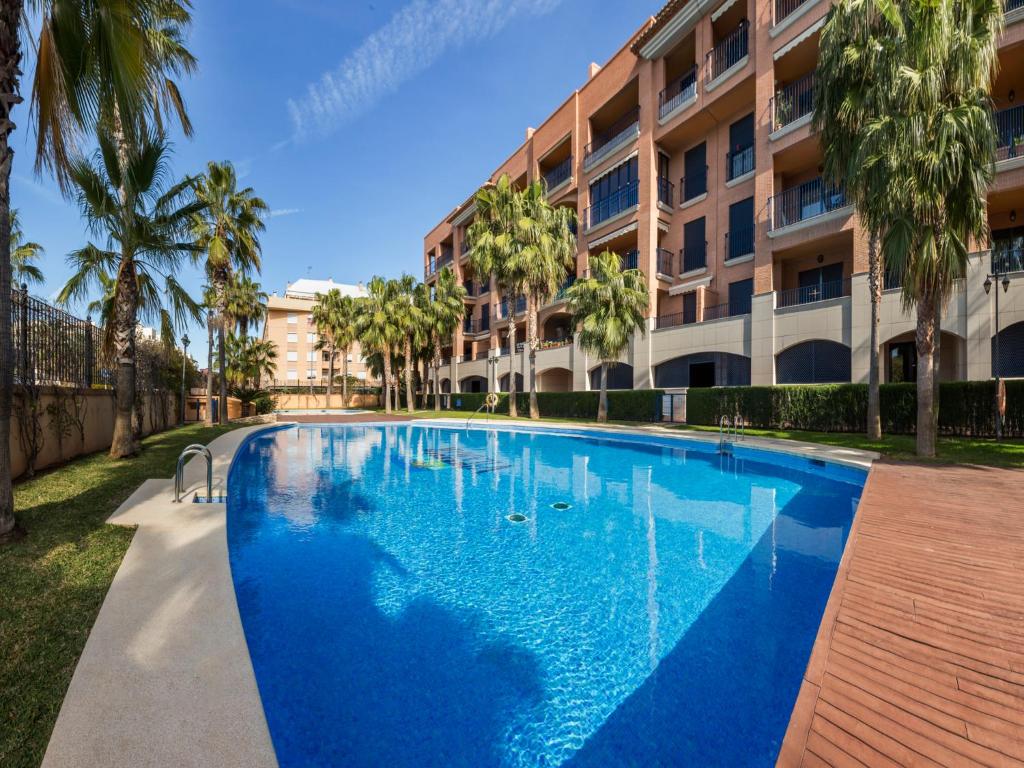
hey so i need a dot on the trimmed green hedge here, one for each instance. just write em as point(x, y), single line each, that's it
point(623, 405)
point(966, 407)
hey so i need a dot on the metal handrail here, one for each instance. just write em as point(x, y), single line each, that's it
point(179, 474)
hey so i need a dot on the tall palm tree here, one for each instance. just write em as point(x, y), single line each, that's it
point(334, 317)
point(23, 254)
point(228, 230)
point(496, 241)
point(411, 318)
point(95, 58)
point(608, 308)
point(379, 327)
point(246, 303)
point(147, 241)
point(855, 69)
point(931, 150)
point(423, 334)
point(442, 315)
point(545, 261)
point(250, 361)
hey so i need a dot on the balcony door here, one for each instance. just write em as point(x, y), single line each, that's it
point(820, 283)
point(695, 162)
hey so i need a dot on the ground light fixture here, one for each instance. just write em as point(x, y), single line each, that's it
point(1003, 278)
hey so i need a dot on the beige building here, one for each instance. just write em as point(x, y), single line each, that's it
point(289, 325)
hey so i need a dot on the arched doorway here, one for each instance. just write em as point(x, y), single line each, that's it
point(814, 362)
point(446, 385)
point(704, 369)
point(503, 383)
point(899, 358)
point(473, 384)
point(1011, 352)
point(557, 328)
point(620, 376)
point(554, 380)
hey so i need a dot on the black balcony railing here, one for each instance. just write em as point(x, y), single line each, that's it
point(809, 294)
point(470, 288)
point(631, 259)
point(810, 199)
point(664, 261)
point(559, 174)
point(469, 325)
point(739, 242)
point(666, 192)
point(623, 130)
point(563, 289)
point(694, 256)
point(464, 248)
point(720, 311)
point(1013, 5)
point(784, 8)
point(1009, 132)
point(739, 162)
point(621, 200)
point(793, 101)
point(1007, 259)
point(678, 92)
point(501, 311)
point(694, 184)
point(728, 52)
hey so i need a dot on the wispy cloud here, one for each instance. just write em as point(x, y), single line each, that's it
point(49, 194)
point(415, 37)
point(284, 212)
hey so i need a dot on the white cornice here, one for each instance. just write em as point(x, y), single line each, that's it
point(677, 27)
point(465, 216)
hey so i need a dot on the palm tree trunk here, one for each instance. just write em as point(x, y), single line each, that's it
point(209, 369)
point(437, 383)
point(602, 402)
point(125, 302)
point(925, 339)
point(512, 410)
point(10, 68)
point(387, 381)
point(410, 404)
point(222, 362)
point(344, 379)
point(875, 287)
point(330, 378)
point(531, 334)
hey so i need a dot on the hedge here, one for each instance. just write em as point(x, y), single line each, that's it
point(623, 405)
point(966, 407)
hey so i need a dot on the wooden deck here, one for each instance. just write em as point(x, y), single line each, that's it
point(920, 656)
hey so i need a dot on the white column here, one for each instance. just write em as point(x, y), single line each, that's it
point(762, 339)
point(860, 329)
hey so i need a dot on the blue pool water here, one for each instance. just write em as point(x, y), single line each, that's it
point(396, 617)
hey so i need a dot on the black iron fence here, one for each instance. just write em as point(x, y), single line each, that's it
point(51, 347)
point(618, 201)
point(618, 133)
point(793, 101)
point(783, 8)
point(678, 92)
point(728, 52)
point(695, 256)
point(1009, 132)
point(805, 201)
point(559, 174)
point(808, 294)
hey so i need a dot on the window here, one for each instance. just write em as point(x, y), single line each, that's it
point(820, 283)
point(690, 307)
point(740, 294)
point(292, 318)
point(349, 358)
point(740, 237)
point(293, 357)
point(326, 357)
point(311, 338)
point(311, 373)
point(293, 338)
point(293, 375)
point(695, 162)
point(740, 159)
point(311, 357)
point(902, 363)
point(695, 246)
point(613, 181)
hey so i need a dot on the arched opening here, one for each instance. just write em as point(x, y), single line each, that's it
point(704, 369)
point(555, 380)
point(503, 383)
point(473, 384)
point(814, 362)
point(620, 376)
point(899, 358)
point(1011, 352)
point(557, 328)
point(446, 385)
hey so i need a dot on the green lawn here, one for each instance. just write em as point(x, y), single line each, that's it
point(53, 581)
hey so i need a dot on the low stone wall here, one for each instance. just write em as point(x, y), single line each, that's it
point(305, 402)
point(72, 422)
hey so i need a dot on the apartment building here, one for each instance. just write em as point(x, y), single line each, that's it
point(690, 154)
point(289, 325)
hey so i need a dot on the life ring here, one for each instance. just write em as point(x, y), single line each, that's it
point(491, 401)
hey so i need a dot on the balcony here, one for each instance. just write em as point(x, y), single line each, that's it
point(785, 8)
point(473, 326)
point(812, 293)
point(739, 242)
point(631, 259)
point(739, 163)
point(464, 248)
point(664, 260)
point(694, 257)
point(1013, 5)
point(793, 102)
point(1007, 258)
point(729, 52)
point(678, 92)
point(811, 199)
point(501, 310)
point(1010, 131)
point(470, 287)
point(558, 175)
point(689, 316)
point(625, 130)
point(694, 185)
point(617, 202)
point(666, 192)
point(563, 290)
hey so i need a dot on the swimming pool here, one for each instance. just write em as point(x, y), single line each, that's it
point(656, 605)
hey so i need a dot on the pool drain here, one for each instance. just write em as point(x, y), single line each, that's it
point(561, 506)
point(515, 517)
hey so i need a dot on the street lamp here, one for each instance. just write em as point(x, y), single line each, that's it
point(1003, 279)
point(184, 365)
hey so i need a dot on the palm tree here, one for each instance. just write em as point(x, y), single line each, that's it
point(24, 272)
point(147, 241)
point(608, 308)
point(379, 327)
point(496, 241)
point(246, 304)
point(228, 231)
point(422, 333)
point(545, 262)
point(250, 361)
point(443, 313)
point(334, 316)
point(410, 317)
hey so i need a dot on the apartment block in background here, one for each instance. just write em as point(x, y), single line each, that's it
point(690, 154)
point(290, 326)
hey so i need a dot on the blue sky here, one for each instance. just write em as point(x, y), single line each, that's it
point(360, 123)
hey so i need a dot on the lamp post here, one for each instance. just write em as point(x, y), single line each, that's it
point(1001, 277)
point(184, 365)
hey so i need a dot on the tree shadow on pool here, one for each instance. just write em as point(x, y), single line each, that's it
point(344, 683)
point(723, 695)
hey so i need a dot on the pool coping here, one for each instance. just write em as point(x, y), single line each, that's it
point(148, 690)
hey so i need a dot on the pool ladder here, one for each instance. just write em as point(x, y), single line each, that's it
point(737, 427)
point(179, 474)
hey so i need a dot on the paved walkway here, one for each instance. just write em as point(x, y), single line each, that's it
point(920, 656)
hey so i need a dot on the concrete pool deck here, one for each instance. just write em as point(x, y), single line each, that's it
point(165, 677)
